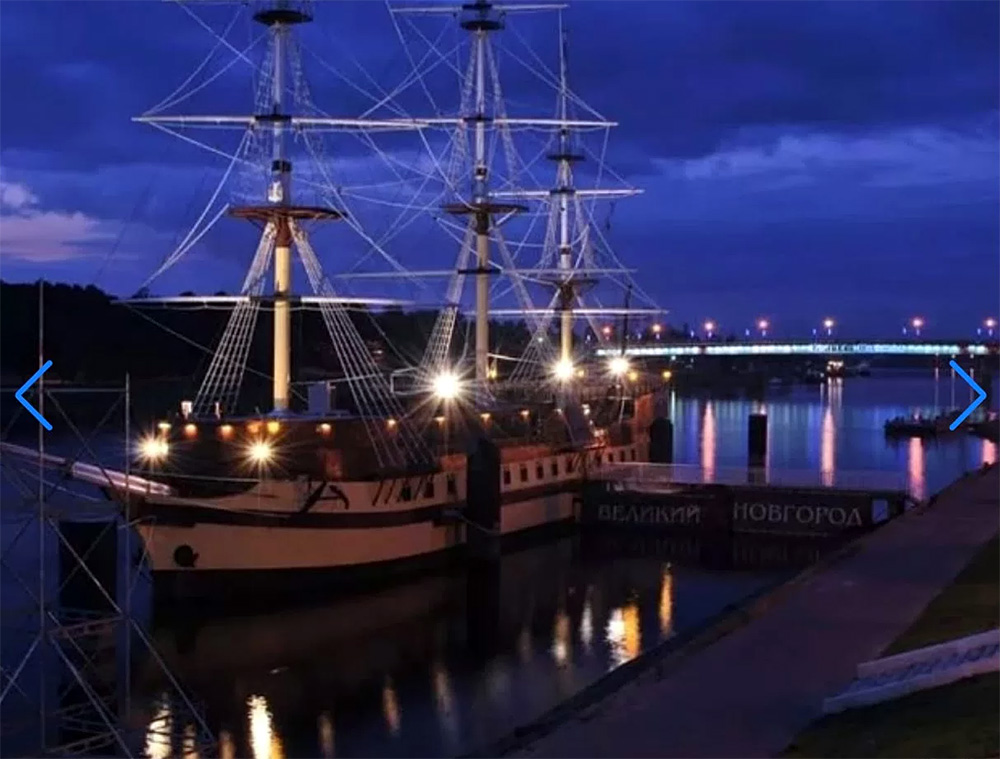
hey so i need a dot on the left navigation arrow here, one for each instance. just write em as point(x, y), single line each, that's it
point(31, 409)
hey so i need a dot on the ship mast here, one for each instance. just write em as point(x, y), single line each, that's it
point(279, 194)
point(567, 290)
point(481, 206)
point(284, 105)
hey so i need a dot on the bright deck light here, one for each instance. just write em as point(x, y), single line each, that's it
point(446, 386)
point(153, 449)
point(260, 452)
point(564, 370)
point(618, 365)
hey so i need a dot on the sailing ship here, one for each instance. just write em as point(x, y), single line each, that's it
point(371, 475)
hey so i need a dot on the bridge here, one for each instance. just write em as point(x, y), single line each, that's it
point(813, 347)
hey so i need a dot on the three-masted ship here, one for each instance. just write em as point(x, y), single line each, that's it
point(370, 474)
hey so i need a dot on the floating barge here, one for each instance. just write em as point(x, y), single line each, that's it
point(671, 497)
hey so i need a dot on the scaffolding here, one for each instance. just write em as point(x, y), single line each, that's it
point(72, 576)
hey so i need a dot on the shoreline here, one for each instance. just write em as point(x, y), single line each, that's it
point(654, 664)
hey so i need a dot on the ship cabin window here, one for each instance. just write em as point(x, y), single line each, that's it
point(506, 476)
point(539, 471)
point(429, 489)
point(621, 455)
point(597, 459)
point(450, 485)
point(569, 465)
point(406, 492)
point(611, 458)
point(632, 453)
point(524, 473)
point(555, 467)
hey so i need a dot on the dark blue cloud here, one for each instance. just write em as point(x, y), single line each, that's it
point(783, 147)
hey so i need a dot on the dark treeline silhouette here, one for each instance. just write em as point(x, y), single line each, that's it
point(91, 338)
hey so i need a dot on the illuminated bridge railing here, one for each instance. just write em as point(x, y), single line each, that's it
point(815, 348)
point(643, 476)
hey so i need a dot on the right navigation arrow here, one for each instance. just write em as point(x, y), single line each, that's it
point(972, 406)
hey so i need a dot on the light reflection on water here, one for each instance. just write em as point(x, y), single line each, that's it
point(265, 743)
point(833, 428)
point(326, 735)
point(342, 680)
point(666, 604)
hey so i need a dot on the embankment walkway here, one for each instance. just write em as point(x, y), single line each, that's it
point(751, 692)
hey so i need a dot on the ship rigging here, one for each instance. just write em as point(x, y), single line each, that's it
point(556, 287)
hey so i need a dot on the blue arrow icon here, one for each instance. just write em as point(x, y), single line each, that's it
point(972, 406)
point(33, 411)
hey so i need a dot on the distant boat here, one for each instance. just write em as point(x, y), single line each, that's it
point(920, 426)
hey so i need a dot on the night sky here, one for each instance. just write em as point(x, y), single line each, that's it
point(798, 160)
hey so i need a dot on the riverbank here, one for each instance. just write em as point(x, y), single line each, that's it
point(751, 691)
point(957, 720)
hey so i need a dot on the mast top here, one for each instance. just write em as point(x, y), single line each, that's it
point(282, 12)
point(481, 21)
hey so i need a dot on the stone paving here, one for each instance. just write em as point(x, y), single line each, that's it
point(751, 692)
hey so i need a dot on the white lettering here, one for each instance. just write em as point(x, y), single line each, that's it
point(758, 512)
point(854, 519)
point(803, 510)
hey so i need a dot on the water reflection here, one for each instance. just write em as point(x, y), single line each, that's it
point(264, 740)
point(832, 430)
point(326, 735)
point(989, 452)
point(667, 603)
point(158, 733)
point(561, 638)
point(227, 747)
point(190, 744)
point(708, 443)
point(622, 633)
point(828, 447)
point(587, 622)
point(916, 467)
point(390, 706)
point(444, 701)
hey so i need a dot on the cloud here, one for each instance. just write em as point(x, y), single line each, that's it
point(28, 233)
point(897, 158)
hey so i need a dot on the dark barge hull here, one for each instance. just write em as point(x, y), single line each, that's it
point(740, 509)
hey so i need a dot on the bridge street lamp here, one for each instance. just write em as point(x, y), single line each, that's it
point(763, 325)
point(990, 325)
point(709, 328)
point(917, 324)
point(828, 325)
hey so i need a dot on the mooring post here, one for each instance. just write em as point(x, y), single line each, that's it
point(661, 441)
point(482, 508)
point(756, 446)
point(482, 607)
point(482, 532)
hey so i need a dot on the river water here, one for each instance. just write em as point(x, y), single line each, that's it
point(448, 663)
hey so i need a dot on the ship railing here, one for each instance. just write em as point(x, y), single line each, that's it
point(640, 476)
